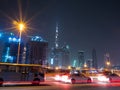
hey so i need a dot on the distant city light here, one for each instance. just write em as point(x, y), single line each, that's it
point(7, 54)
point(0, 34)
point(11, 34)
point(37, 38)
point(67, 46)
point(10, 38)
point(74, 63)
point(51, 61)
point(13, 39)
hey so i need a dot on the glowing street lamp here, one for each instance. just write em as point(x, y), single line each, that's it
point(108, 63)
point(56, 68)
point(85, 65)
point(69, 67)
point(20, 27)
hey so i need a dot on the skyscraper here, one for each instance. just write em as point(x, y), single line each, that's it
point(65, 56)
point(37, 50)
point(60, 56)
point(94, 59)
point(56, 36)
point(81, 59)
point(9, 48)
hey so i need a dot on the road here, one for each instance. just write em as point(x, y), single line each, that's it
point(51, 84)
point(62, 86)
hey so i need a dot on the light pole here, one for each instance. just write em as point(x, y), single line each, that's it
point(21, 27)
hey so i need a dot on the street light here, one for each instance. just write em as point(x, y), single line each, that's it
point(85, 65)
point(20, 27)
point(108, 64)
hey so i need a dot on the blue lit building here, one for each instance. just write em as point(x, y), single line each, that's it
point(9, 48)
point(34, 51)
point(81, 59)
point(60, 57)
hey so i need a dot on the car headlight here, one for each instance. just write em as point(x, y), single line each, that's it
point(103, 78)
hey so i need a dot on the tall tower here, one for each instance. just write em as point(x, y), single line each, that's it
point(56, 36)
point(60, 56)
point(94, 59)
point(54, 61)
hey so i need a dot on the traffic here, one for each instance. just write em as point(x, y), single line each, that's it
point(76, 76)
point(35, 74)
point(73, 78)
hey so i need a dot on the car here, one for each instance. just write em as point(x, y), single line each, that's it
point(109, 77)
point(76, 78)
point(113, 77)
point(102, 78)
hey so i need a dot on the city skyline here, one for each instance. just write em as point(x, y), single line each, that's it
point(83, 25)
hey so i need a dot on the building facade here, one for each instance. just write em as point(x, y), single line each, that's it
point(81, 59)
point(94, 59)
point(60, 57)
point(37, 50)
point(9, 48)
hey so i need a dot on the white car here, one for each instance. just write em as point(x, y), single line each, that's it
point(76, 78)
point(111, 77)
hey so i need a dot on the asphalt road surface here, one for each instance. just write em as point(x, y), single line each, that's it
point(62, 86)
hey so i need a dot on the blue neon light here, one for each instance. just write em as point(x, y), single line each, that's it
point(51, 61)
point(36, 38)
point(13, 39)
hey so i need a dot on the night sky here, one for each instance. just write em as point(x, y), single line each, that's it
point(83, 24)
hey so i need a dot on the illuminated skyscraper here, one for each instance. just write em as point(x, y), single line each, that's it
point(81, 59)
point(65, 56)
point(56, 36)
point(37, 50)
point(60, 56)
point(2, 41)
point(9, 48)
